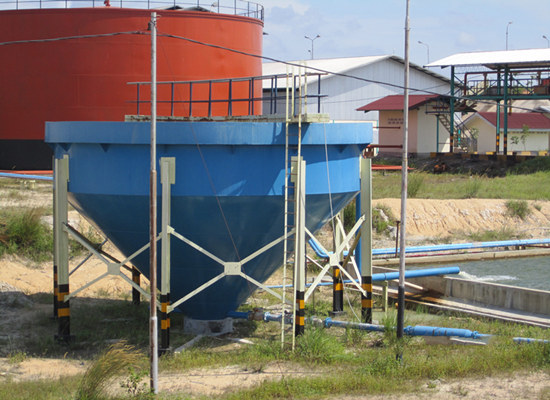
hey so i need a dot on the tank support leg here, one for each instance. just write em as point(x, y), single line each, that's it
point(366, 239)
point(136, 278)
point(168, 178)
point(337, 291)
point(300, 245)
point(61, 251)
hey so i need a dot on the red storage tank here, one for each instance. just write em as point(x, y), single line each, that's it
point(86, 79)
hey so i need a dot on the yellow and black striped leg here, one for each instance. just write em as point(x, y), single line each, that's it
point(300, 314)
point(136, 278)
point(366, 300)
point(337, 291)
point(55, 291)
point(164, 323)
point(63, 315)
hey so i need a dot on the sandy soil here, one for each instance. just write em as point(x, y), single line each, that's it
point(428, 219)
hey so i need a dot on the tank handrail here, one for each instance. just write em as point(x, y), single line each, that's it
point(235, 7)
point(270, 96)
point(239, 79)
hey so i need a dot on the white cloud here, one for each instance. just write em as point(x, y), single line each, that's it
point(466, 39)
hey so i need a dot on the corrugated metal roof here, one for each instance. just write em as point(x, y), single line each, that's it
point(396, 102)
point(516, 121)
point(336, 65)
point(495, 59)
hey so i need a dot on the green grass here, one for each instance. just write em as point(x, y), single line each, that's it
point(518, 208)
point(505, 233)
point(23, 232)
point(334, 361)
point(455, 186)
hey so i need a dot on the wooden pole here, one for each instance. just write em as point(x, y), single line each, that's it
point(153, 339)
point(404, 173)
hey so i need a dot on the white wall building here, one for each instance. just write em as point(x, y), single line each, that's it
point(379, 76)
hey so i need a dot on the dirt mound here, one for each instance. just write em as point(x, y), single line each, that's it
point(431, 219)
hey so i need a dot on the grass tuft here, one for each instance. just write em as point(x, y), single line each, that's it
point(471, 188)
point(119, 358)
point(317, 346)
point(414, 184)
point(518, 208)
point(24, 233)
point(504, 233)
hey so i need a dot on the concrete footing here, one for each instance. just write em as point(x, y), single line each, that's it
point(207, 327)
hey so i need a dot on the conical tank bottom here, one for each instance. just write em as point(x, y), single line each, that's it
point(228, 196)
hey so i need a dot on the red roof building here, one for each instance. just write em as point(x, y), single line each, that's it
point(427, 114)
point(526, 131)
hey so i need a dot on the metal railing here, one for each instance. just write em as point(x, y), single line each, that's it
point(227, 97)
point(520, 83)
point(233, 7)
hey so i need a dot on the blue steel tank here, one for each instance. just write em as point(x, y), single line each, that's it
point(228, 196)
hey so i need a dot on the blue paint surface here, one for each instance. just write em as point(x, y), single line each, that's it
point(228, 196)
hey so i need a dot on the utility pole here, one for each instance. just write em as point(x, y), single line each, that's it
point(312, 40)
point(404, 176)
point(507, 26)
point(153, 339)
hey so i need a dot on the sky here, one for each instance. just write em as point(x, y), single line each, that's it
point(349, 28)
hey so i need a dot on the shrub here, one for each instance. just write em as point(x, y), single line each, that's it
point(531, 166)
point(23, 232)
point(518, 208)
point(414, 184)
point(349, 216)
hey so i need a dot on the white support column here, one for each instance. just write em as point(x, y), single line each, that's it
point(167, 178)
point(300, 244)
point(61, 241)
point(366, 238)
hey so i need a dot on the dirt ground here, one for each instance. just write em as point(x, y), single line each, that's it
point(428, 219)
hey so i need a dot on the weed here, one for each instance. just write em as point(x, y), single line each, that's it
point(118, 357)
point(531, 166)
point(504, 233)
point(517, 208)
point(472, 188)
point(134, 385)
point(17, 357)
point(24, 233)
point(461, 391)
point(414, 184)
point(317, 346)
point(537, 207)
point(349, 216)
point(382, 218)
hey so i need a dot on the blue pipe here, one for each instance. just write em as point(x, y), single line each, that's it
point(462, 246)
point(329, 322)
point(409, 330)
point(388, 276)
point(437, 331)
point(238, 315)
point(25, 176)
point(440, 247)
point(529, 340)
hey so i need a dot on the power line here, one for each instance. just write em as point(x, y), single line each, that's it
point(73, 37)
point(321, 70)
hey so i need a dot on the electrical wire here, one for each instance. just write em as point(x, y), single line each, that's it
point(321, 70)
point(58, 39)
